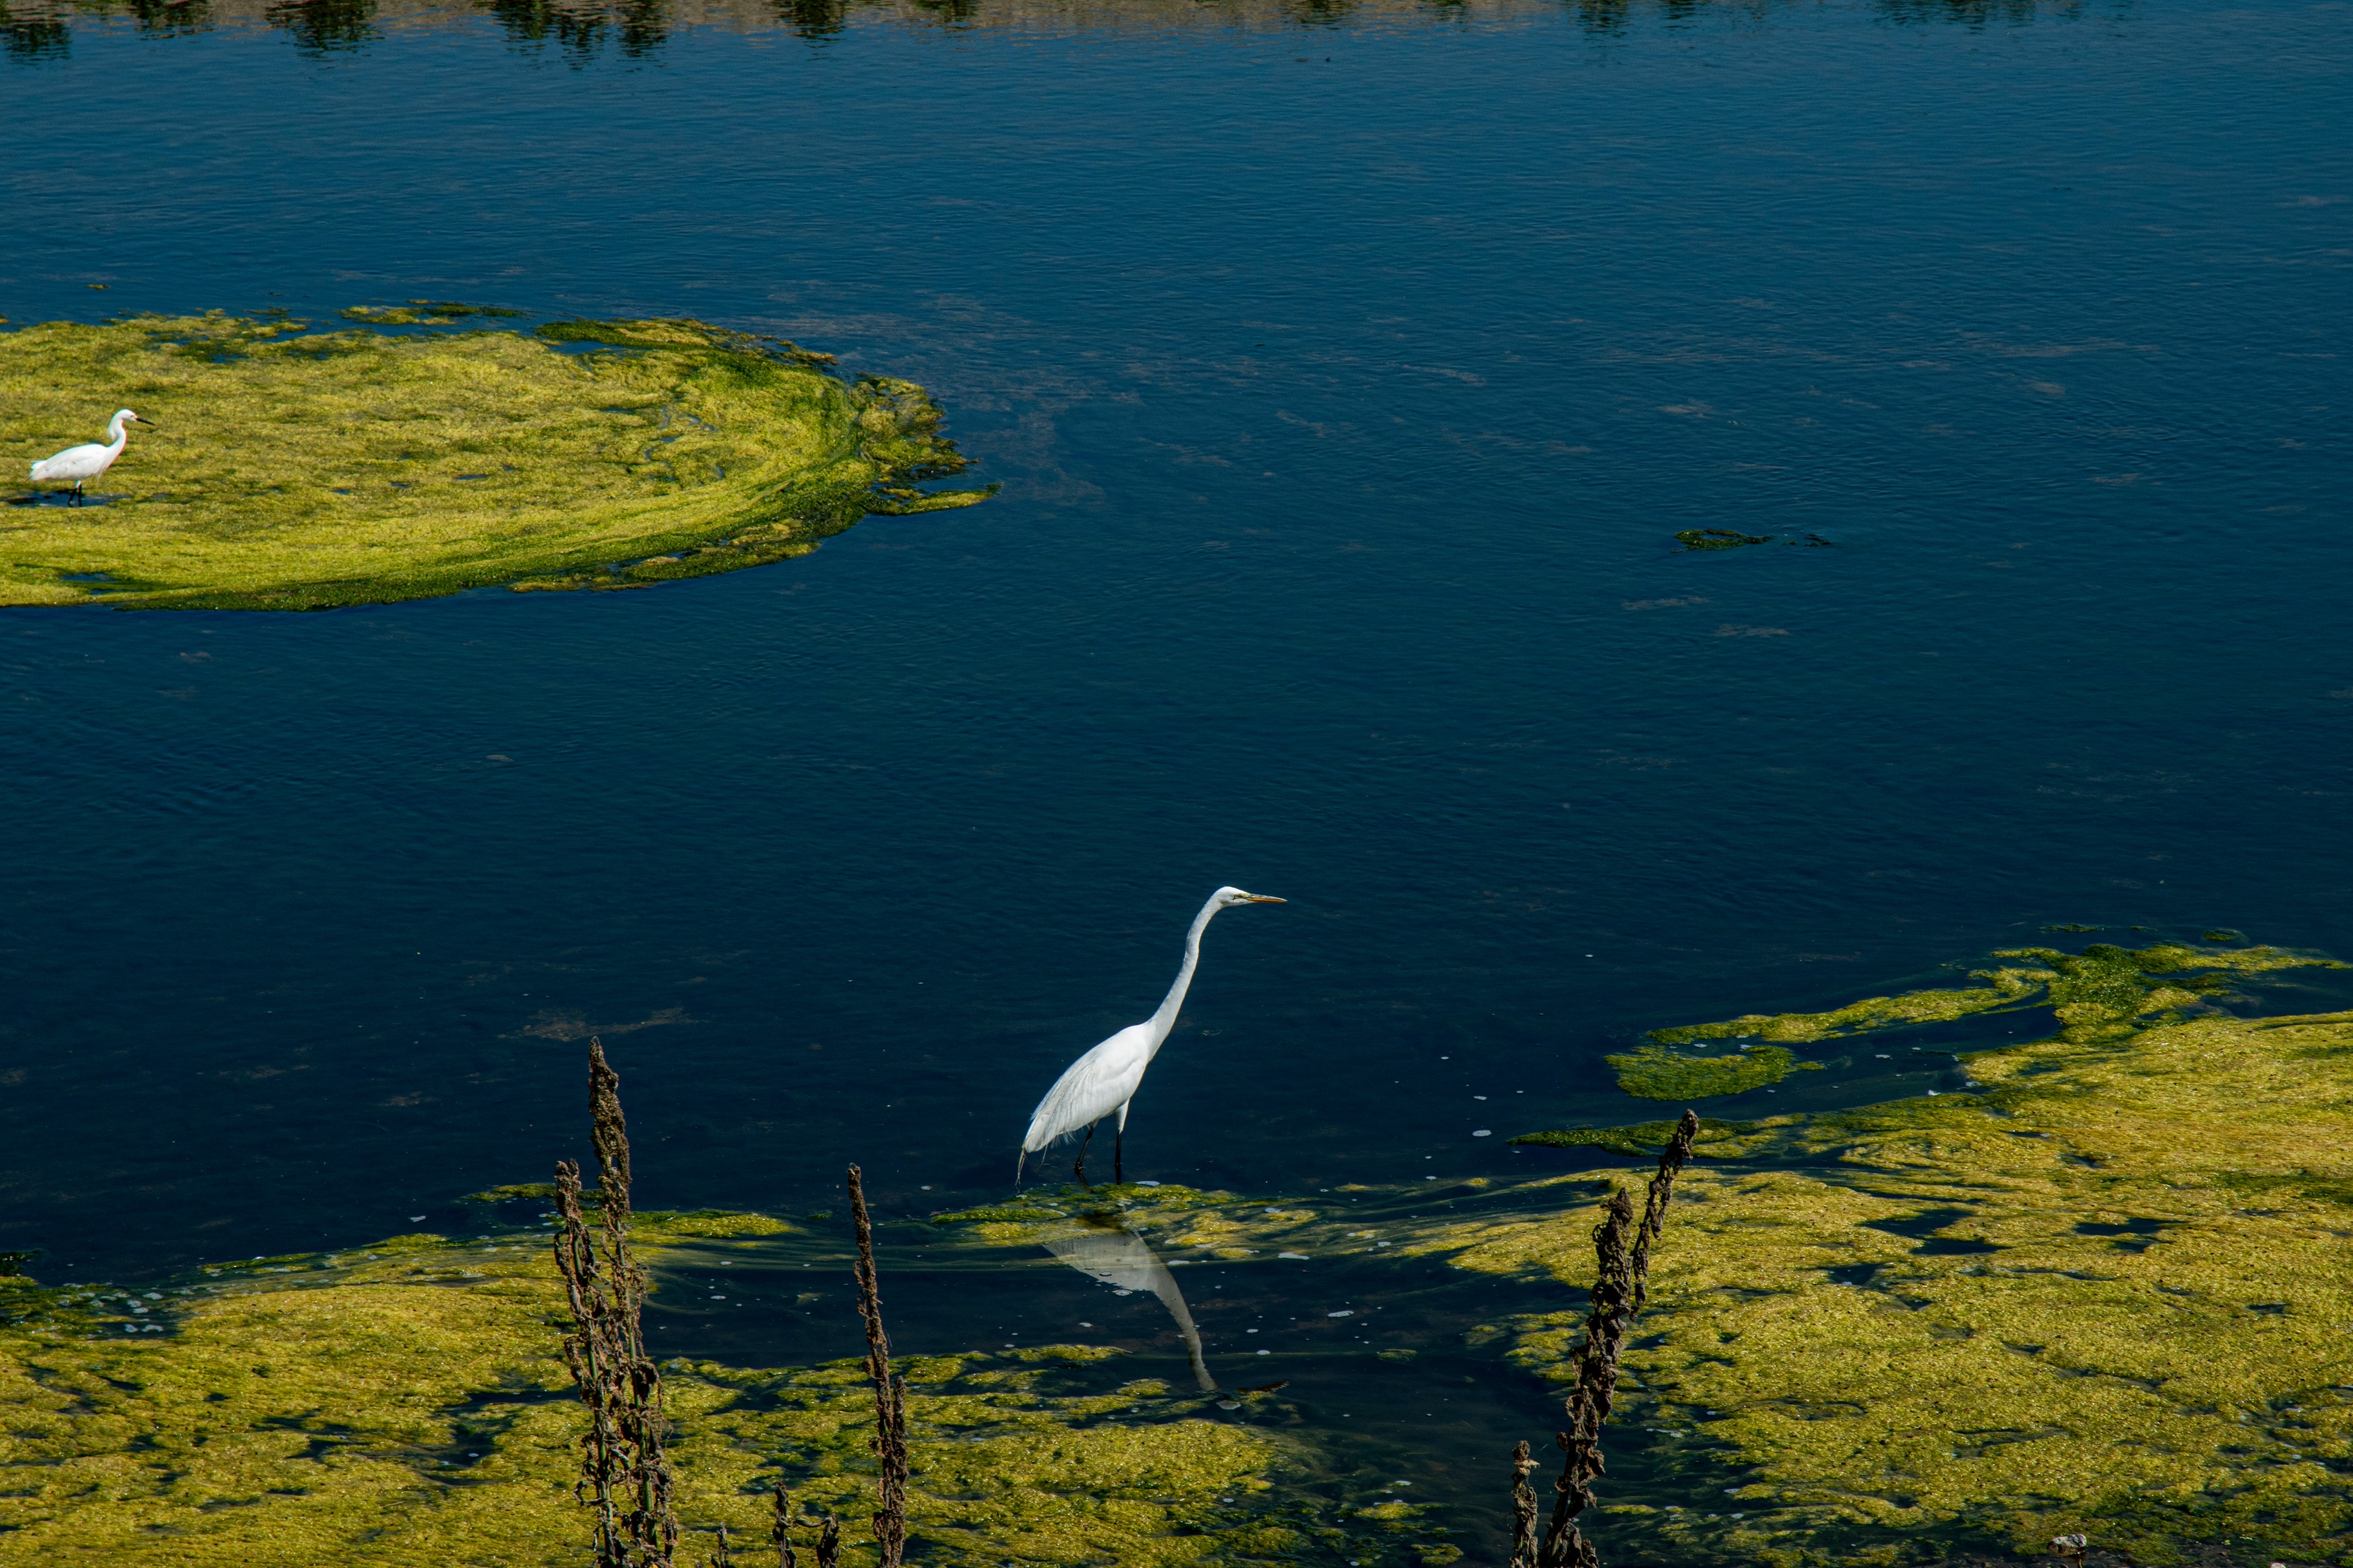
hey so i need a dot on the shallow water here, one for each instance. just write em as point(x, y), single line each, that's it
point(1348, 380)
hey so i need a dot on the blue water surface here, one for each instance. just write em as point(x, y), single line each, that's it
point(1349, 383)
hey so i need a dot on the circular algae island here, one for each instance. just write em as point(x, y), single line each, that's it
point(414, 452)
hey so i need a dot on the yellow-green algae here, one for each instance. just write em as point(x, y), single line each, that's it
point(2104, 1292)
point(300, 469)
point(1660, 1072)
point(406, 1402)
point(2105, 987)
point(2107, 1292)
point(421, 313)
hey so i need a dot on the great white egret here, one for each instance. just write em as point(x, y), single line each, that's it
point(1105, 1079)
point(83, 464)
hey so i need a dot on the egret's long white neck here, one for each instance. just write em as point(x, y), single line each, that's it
point(1166, 1019)
point(116, 436)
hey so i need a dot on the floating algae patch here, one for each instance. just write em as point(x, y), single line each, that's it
point(1718, 538)
point(421, 313)
point(300, 469)
point(2106, 1292)
point(2103, 988)
point(406, 1402)
point(2006, 989)
point(1660, 1072)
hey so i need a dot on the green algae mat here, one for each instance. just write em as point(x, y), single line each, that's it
point(407, 1403)
point(2104, 1290)
point(415, 452)
point(2109, 1290)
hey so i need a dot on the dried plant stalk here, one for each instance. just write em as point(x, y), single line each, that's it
point(781, 1533)
point(1621, 1247)
point(1524, 1510)
point(624, 1477)
point(890, 1391)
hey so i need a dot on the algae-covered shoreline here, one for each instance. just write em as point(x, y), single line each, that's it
point(414, 452)
point(2104, 1290)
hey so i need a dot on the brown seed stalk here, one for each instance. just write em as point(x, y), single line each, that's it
point(1621, 1247)
point(624, 1477)
point(780, 1533)
point(890, 1391)
point(1524, 1510)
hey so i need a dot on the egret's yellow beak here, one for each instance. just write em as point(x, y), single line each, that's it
point(1263, 898)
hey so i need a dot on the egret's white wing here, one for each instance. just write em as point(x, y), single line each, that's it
point(75, 463)
point(1092, 1087)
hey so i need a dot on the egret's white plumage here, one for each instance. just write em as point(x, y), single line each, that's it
point(80, 465)
point(1105, 1079)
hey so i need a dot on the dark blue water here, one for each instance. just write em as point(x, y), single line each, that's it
point(1348, 383)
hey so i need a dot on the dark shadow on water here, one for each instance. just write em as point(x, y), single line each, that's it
point(65, 498)
point(1918, 1227)
point(1923, 1227)
point(2134, 1235)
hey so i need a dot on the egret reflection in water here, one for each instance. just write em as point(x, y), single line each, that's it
point(1125, 1261)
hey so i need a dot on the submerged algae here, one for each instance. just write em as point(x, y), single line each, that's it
point(2106, 1293)
point(299, 471)
point(1716, 1137)
point(411, 1407)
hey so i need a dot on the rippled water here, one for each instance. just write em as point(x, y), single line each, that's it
point(1348, 375)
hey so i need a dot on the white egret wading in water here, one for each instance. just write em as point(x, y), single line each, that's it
point(1105, 1079)
point(83, 464)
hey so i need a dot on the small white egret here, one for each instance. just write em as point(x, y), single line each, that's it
point(1106, 1078)
point(83, 464)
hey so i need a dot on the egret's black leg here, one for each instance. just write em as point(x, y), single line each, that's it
point(1117, 1138)
point(1079, 1164)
